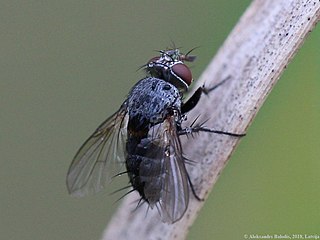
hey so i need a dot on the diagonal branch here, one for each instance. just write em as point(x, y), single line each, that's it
point(254, 55)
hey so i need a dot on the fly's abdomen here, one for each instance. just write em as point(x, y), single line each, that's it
point(144, 166)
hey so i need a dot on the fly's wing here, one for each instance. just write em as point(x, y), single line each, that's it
point(174, 195)
point(101, 157)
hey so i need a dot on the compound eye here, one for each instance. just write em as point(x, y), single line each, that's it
point(183, 72)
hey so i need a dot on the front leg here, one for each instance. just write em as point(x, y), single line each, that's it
point(194, 99)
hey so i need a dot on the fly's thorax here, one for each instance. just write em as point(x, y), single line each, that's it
point(150, 101)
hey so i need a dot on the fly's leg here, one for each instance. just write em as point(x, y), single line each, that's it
point(194, 99)
point(192, 102)
point(193, 190)
point(200, 128)
point(196, 129)
point(189, 105)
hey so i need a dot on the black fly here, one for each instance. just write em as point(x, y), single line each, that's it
point(143, 135)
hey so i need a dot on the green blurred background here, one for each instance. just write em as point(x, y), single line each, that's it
point(67, 65)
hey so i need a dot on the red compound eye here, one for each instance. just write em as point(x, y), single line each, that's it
point(183, 72)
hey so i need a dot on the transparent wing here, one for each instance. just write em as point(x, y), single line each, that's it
point(101, 157)
point(174, 195)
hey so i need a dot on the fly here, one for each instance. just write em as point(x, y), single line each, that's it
point(144, 137)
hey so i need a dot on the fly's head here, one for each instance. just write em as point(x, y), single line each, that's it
point(170, 66)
